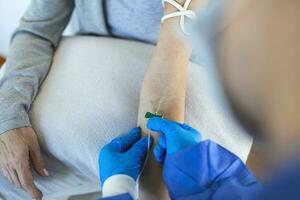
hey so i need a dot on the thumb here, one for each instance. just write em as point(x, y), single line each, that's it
point(140, 148)
point(162, 125)
point(38, 162)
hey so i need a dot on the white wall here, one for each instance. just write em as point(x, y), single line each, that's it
point(10, 13)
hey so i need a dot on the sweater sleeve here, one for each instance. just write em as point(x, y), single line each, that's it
point(29, 59)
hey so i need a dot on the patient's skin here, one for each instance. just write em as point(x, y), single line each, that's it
point(163, 91)
point(259, 63)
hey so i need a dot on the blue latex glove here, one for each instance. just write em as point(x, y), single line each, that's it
point(124, 155)
point(208, 171)
point(173, 137)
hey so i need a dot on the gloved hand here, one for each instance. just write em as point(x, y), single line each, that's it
point(173, 137)
point(124, 155)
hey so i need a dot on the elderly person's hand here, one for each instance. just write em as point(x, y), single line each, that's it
point(18, 149)
point(121, 162)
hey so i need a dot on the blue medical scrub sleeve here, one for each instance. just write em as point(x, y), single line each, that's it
point(119, 197)
point(208, 171)
point(284, 184)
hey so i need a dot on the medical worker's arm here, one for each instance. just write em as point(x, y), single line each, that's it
point(199, 170)
point(120, 164)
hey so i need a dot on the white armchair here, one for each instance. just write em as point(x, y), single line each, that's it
point(91, 95)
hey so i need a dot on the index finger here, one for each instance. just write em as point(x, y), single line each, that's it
point(26, 180)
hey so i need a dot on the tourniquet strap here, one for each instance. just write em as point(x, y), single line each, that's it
point(183, 12)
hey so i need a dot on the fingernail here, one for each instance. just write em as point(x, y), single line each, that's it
point(46, 172)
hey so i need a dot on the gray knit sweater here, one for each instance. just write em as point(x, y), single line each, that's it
point(39, 32)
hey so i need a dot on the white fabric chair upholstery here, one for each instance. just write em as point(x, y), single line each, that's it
point(91, 95)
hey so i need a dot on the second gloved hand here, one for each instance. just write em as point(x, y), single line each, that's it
point(124, 155)
point(173, 137)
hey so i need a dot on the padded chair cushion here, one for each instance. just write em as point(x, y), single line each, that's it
point(91, 95)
